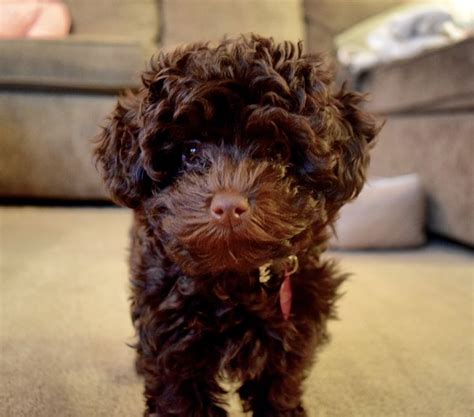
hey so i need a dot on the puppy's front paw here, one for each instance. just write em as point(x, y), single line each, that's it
point(296, 412)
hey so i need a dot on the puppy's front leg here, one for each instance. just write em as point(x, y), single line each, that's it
point(191, 398)
point(274, 394)
point(180, 378)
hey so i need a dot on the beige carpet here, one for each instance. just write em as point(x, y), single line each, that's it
point(403, 346)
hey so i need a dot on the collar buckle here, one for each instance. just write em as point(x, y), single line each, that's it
point(290, 266)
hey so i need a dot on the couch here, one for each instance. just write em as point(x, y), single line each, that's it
point(427, 103)
point(55, 94)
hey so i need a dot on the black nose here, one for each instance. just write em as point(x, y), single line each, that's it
point(229, 207)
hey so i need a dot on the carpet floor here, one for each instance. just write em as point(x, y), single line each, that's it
point(403, 345)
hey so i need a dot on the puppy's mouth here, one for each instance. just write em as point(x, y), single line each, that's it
point(240, 243)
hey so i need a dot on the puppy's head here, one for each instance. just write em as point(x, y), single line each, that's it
point(236, 154)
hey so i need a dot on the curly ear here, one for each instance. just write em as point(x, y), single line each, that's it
point(118, 156)
point(353, 138)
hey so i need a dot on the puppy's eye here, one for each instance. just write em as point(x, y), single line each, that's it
point(191, 153)
point(280, 152)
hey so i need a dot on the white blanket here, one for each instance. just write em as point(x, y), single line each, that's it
point(401, 33)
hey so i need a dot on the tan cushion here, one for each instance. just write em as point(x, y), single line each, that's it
point(124, 19)
point(389, 213)
point(191, 21)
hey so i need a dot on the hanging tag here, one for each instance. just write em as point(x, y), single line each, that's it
point(286, 294)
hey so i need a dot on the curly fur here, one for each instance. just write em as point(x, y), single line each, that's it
point(261, 120)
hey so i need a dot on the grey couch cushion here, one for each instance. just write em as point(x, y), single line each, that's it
point(72, 63)
point(435, 80)
point(46, 144)
point(197, 20)
point(124, 19)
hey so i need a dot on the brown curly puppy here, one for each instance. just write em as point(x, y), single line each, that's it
point(235, 160)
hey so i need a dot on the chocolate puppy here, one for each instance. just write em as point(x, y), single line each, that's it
point(235, 159)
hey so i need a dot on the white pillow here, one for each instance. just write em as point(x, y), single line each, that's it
point(388, 213)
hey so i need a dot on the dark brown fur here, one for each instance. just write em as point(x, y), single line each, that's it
point(261, 121)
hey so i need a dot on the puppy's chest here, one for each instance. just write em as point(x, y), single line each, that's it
point(244, 330)
point(238, 311)
point(256, 308)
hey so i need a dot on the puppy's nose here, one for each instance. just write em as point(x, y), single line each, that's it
point(229, 207)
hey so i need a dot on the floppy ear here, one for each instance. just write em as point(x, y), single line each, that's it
point(353, 132)
point(118, 155)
